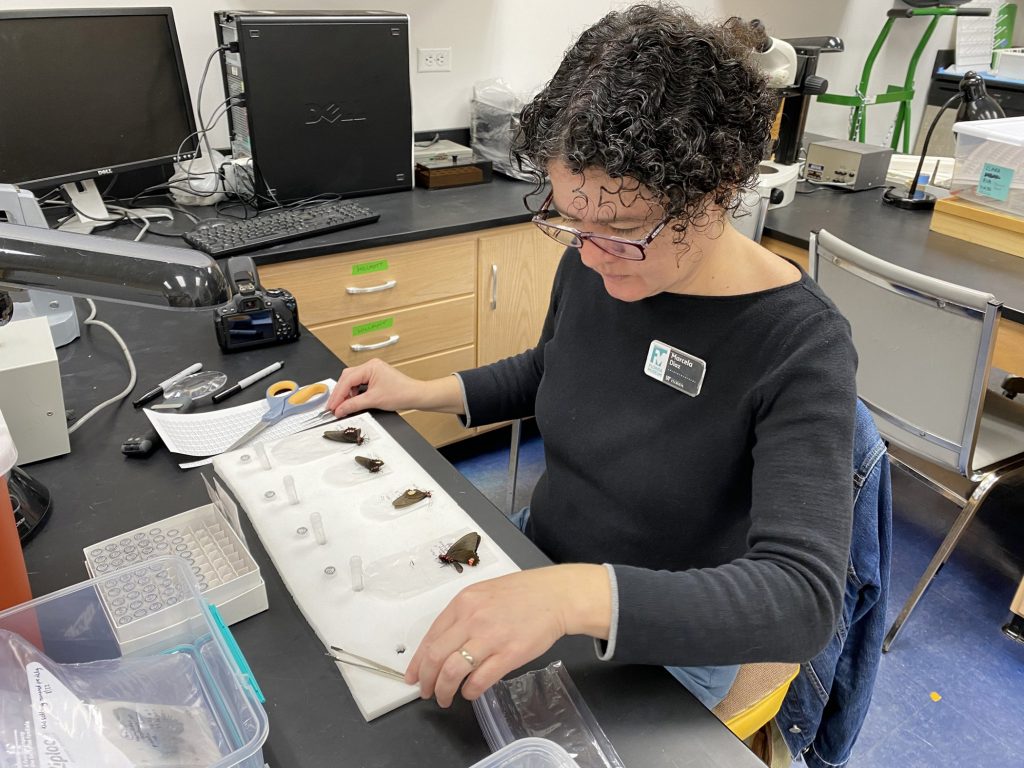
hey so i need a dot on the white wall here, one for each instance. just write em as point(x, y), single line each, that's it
point(522, 41)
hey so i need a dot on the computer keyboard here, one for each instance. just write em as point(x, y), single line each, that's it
point(225, 238)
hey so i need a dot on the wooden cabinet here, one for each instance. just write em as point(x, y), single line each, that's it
point(515, 270)
point(430, 307)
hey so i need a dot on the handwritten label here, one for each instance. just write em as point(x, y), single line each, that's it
point(366, 267)
point(995, 182)
point(377, 325)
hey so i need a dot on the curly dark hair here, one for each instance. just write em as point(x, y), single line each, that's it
point(653, 94)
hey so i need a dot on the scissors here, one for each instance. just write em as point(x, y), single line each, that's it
point(285, 398)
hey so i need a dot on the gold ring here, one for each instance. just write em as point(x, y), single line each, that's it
point(468, 657)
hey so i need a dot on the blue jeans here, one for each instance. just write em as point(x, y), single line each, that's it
point(709, 684)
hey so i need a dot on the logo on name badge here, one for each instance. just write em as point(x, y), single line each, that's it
point(679, 370)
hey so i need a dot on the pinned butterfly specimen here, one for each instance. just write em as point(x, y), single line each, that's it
point(346, 435)
point(410, 497)
point(462, 552)
point(373, 465)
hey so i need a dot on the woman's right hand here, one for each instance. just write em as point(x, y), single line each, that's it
point(375, 384)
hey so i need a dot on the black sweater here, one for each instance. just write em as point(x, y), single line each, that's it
point(727, 515)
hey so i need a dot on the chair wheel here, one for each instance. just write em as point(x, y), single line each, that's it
point(1015, 628)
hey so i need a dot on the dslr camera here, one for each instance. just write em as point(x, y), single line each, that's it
point(255, 317)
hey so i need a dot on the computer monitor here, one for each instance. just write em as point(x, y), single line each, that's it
point(88, 93)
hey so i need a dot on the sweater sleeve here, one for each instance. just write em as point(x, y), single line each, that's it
point(507, 389)
point(782, 599)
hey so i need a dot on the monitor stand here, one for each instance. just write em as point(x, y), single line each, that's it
point(93, 213)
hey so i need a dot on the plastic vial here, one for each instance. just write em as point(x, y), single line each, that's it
point(289, 488)
point(316, 520)
point(356, 567)
point(261, 454)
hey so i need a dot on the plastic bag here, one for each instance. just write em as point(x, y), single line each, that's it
point(144, 712)
point(197, 182)
point(493, 123)
point(545, 703)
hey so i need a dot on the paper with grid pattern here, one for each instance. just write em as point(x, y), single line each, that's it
point(404, 585)
point(213, 432)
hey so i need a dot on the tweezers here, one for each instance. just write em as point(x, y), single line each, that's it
point(368, 664)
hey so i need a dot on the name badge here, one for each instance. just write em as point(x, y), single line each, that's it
point(680, 370)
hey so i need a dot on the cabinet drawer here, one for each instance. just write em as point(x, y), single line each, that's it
point(438, 428)
point(441, 364)
point(404, 333)
point(330, 288)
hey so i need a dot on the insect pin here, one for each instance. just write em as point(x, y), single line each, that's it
point(346, 435)
point(373, 465)
point(410, 497)
point(462, 552)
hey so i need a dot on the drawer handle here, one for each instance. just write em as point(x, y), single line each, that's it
point(494, 286)
point(393, 339)
point(373, 288)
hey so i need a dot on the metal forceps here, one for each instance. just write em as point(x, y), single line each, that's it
point(285, 398)
point(368, 664)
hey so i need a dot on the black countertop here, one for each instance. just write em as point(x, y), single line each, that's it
point(314, 722)
point(903, 238)
point(860, 218)
point(417, 215)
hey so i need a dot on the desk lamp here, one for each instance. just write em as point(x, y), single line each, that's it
point(975, 104)
point(97, 267)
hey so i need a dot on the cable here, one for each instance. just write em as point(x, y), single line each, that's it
point(127, 356)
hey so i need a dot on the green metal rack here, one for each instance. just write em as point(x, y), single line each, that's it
point(903, 95)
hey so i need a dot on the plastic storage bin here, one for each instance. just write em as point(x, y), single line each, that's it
point(989, 167)
point(111, 706)
point(528, 753)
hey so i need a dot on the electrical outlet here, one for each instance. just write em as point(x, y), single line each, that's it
point(433, 59)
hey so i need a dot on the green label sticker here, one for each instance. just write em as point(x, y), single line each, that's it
point(376, 325)
point(370, 266)
point(995, 182)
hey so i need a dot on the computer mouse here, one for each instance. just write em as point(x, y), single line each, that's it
point(208, 224)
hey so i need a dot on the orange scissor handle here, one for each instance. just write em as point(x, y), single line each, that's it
point(281, 387)
point(307, 393)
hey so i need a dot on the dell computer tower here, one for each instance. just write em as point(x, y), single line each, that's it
point(321, 100)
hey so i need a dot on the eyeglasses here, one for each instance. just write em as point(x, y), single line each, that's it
point(634, 250)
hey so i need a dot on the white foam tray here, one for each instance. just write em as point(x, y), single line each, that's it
point(405, 585)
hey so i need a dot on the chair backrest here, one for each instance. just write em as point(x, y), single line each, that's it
point(924, 347)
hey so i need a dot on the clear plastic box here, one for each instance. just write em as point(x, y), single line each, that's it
point(70, 629)
point(989, 167)
point(528, 753)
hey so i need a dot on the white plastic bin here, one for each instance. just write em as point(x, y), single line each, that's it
point(69, 639)
point(990, 163)
point(529, 753)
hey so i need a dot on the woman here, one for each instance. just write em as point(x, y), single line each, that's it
point(695, 392)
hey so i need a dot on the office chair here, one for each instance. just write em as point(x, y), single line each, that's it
point(925, 351)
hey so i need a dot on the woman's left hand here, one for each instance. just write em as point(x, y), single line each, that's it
point(495, 626)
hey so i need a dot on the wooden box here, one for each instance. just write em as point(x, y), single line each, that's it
point(978, 224)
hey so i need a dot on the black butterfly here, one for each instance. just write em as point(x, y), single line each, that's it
point(373, 465)
point(346, 435)
point(462, 551)
point(410, 497)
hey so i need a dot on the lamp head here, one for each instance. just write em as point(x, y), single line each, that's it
point(106, 268)
point(975, 103)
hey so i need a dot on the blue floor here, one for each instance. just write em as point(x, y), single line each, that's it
point(951, 690)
